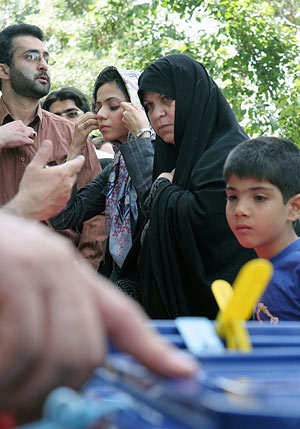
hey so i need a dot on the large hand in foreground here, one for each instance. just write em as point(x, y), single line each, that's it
point(43, 192)
point(55, 315)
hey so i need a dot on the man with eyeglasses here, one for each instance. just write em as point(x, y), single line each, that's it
point(24, 80)
point(67, 102)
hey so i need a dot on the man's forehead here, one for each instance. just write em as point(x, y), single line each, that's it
point(62, 105)
point(28, 42)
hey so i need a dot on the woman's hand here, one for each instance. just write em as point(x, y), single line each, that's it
point(84, 125)
point(168, 175)
point(134, 117)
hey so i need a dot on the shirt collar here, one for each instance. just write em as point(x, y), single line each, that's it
point(4, 113)
point(38, 115)
point(6, 116)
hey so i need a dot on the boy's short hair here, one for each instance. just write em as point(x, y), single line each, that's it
point(67, 94)
point(270, 159)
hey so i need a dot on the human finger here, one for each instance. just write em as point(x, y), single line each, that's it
point(73, 342)
point(73, 339)
point(127, 325)
point(88, 123)
point(89, 116)
point(21, 344)
point(32, 133)
point(84, 128)
point(18, 347)
point(126, 105)
point(72, 167)
point(43, 154)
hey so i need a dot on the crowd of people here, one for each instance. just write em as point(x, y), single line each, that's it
point(184, 198)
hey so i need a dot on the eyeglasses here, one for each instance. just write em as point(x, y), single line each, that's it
point(36, 56)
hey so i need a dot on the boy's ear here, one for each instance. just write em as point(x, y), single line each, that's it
point(294, 209)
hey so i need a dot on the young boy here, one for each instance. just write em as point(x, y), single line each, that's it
point(263, 200)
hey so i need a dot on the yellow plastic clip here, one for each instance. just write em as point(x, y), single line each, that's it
point(223, 292)
point(237, 303)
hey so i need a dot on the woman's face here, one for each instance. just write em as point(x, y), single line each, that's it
point(109, 113)
point(161, 113)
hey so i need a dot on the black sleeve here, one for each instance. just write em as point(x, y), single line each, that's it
point(88, 202)
point(158, 184)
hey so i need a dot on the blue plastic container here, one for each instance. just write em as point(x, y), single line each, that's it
point(234, 390)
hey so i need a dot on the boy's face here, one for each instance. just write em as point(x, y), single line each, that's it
point(258, 217)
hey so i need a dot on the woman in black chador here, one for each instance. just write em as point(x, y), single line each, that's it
point(186, 244)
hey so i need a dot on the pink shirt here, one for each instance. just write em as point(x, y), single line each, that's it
point(91, 239)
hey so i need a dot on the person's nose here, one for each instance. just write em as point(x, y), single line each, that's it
point(101, 114)
point(241, 209)
point(158, 112)
point(42, 65)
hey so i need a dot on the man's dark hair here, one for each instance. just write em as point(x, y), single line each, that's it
point(6, 40)
point(67, 94)
point(108, 75)
point(270, 159)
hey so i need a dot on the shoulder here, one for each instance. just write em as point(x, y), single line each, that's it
point(288, 260)
point(292, 250)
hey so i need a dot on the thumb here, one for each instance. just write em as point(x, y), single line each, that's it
point(73, 166)
point(43, 154)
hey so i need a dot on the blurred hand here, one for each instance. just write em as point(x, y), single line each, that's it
point(55, 315)
point(43, 192)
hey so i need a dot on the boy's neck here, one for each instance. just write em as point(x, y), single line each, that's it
point(272, 249)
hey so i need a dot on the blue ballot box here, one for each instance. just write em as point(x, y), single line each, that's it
point(233, 389)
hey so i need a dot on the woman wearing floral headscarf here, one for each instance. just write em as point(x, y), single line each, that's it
point(112, 190)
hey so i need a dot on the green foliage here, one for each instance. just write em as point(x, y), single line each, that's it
point(259, 72)
point(250, 47)
point(15, 12)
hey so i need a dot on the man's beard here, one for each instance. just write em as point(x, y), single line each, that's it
point(26, 87)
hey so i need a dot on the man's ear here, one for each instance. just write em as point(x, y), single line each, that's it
point(294, 208)
point(4, 71)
